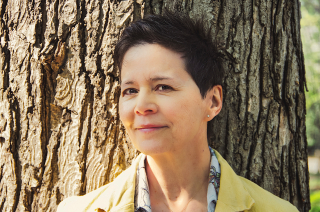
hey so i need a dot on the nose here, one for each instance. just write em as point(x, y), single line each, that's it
point(145, 104)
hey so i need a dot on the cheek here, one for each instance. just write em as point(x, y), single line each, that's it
point(182, 109)
point(171, 108)
point(125, 112)
point(190, 111)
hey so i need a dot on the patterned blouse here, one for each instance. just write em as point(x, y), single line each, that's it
point(142, 198)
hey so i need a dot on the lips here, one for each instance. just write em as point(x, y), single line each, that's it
point(149, 127)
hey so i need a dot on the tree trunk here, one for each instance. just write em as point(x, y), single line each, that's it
point(60, 133)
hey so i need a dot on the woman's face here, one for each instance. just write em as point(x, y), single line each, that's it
point(160, 105)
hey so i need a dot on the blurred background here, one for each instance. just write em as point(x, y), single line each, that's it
point(310, 33)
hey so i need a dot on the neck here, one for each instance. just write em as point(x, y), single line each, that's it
point(179, 176)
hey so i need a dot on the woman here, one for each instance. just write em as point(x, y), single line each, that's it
point(171, 77)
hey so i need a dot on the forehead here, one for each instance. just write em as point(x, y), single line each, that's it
point(152, 61)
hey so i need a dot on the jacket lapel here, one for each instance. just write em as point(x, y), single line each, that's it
point(232, 194)
point(120, 195)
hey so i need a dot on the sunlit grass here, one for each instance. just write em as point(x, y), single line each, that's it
point(315, 192)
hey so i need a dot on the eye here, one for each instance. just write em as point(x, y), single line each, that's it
point(129, 91)
point(163, 88)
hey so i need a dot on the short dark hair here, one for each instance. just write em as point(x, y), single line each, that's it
point(179, 33)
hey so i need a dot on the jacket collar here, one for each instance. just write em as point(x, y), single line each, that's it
point(118, 196)
point(232, 194)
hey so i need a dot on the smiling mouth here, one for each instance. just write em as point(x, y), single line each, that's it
point(150, 129)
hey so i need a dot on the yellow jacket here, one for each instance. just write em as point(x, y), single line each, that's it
point(235, 194)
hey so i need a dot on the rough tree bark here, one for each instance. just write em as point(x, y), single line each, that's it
point(60, 133)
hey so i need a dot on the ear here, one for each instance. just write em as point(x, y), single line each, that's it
point(215, 99)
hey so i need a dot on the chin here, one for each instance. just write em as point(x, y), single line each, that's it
point(152, 147)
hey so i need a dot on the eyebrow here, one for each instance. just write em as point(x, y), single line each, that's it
point(128, 82)
point(152, 79)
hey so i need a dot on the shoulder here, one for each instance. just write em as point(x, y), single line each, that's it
point(264, 200)
point(81, 203)
point(239, 194)
point(119, 193)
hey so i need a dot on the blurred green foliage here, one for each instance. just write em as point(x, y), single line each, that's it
point(315, 201)
point(310, 34)
point(315, 192)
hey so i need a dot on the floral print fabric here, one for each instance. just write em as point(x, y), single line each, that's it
point(142, 198)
